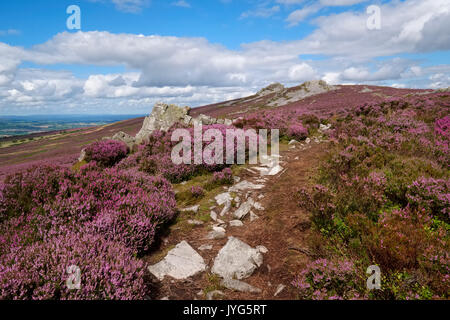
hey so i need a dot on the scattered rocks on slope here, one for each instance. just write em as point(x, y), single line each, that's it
point(237, 260)
point(245, 185)
point(180, 263)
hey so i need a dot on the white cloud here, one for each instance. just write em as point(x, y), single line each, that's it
point(301, 14)
point(301, 72)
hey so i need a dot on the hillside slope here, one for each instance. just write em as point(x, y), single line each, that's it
point(59, 147)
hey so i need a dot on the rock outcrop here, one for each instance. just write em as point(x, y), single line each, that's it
point(308, 88)
point(124, 137)
point(165, 116)
point(162, 118)
point(273, 88)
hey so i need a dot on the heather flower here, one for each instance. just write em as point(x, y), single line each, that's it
point(327, 280)
point(106, 152)
point(197, 192)
point(39, 271)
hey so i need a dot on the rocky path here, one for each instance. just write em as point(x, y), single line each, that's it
point(256, 242)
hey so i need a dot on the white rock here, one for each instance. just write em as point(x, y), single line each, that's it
point(213, 215)
point(195, 222)
point(308, 141)
point(280, 288)
point(226, 208)
point(82, 156)
point(216, 234)
point(275, 170)
point(237, 260)
point(262, 249)
point(323, 127)
point(244, 209)
point(236, 223)
point(253, 216)
point(219, 229)
point(212, 294)
point(292, 142)
point(239, 286)
point(223, 198)
point(236, 179)
point(180, 263)
point(191, 209)
point(245, 185)
point(258, 206)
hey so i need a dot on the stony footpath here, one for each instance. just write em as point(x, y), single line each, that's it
point(212, 261)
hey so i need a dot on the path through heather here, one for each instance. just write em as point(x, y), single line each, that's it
point(275, 222)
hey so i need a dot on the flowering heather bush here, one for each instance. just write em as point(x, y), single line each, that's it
point(297, 131)
point(431, 194)
point(383, 195)
point(34, 187)
point(442, 127)
point(289, 123)
point(155, 157)
point(223, 177)
point(106, 152)
point(328, 280)
point(39, 271)
point(140, 203)
point(197, 192)
point(45, 211)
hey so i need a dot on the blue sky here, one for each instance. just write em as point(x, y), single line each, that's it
point(130, 54)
